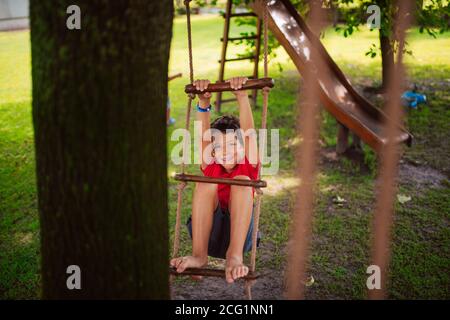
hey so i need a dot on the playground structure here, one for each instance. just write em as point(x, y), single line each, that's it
point(326, 83)
point(263, 84)
point(352, 111)
point(223, 57)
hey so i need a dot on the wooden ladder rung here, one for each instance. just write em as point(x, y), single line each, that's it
point(252, 57)
point(207, 272)
point(229, 181)
point(240, 14)
point(240, 38)
point(250, 84)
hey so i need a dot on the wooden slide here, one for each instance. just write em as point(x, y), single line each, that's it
point(337, 95)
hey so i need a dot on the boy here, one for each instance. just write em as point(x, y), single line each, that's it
point(230, 155)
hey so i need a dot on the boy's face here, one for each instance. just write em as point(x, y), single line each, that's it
point(228, 151)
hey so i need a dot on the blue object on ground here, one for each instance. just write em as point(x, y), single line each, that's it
point(413, 99)
point(171, 120)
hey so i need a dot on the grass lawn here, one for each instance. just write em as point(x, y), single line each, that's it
point(341, 233)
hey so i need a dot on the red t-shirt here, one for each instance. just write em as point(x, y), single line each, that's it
point(216, 170)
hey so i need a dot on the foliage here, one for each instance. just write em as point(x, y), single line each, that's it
point(431, 17)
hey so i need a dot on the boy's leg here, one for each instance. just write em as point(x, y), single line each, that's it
point(241, 205)
point(204, 202)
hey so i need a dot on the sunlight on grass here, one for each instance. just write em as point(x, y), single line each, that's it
point(23, 238)
point(15, 66)
point(278, 184)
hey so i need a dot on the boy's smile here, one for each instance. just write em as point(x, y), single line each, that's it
point(228, 151)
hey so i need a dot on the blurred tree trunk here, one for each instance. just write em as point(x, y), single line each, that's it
point(99, 106)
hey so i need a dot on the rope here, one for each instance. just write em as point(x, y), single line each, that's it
point(249, 283)
point(176, 240)
point(306, 159)
point(265, 18)
point(390, 156)
point(262, 138)
point(191, 77)
point(248, 289)
point(265, 90)
point(255, 230)
point(266, 74)
point(188, 17)
point(182, 185)
point(259, 193)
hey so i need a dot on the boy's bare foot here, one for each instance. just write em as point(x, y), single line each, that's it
point(182, 263)
point(234, 268)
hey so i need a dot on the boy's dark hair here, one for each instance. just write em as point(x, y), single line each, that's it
point(228, 122)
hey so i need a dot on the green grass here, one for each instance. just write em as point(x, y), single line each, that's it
point(340, 251)
point(19, 225)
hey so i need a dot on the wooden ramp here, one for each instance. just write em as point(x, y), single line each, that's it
point(337, 94)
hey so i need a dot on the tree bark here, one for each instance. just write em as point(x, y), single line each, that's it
point(99, 107)
point(387, 58)
point(385, 37)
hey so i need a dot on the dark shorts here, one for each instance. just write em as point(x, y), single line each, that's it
point(219, 238)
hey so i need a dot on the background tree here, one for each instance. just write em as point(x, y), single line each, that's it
point(99, 107)
point(431, 17)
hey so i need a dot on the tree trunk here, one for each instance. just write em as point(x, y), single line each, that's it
point(99, 106)
point(384, 33)
point(387, 58)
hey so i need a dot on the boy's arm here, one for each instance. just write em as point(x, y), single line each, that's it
point(204, 101)
point(246, 120)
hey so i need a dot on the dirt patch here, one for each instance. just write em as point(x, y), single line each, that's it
point(269, 286)
point(24, 238)
point(420, 176)
point(410, 172)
